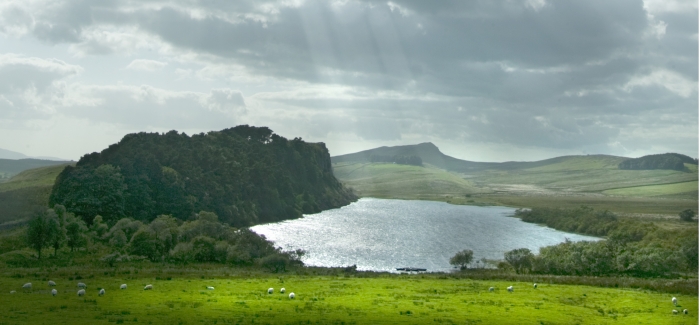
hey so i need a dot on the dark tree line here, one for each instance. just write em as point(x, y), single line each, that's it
point(671, 161)
point(246, 175)
point(631, 247)
point(402, 160)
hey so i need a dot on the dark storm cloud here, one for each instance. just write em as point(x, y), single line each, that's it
point(553, 74)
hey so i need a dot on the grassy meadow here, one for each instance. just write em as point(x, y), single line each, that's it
point(241, 298)
point(568, 182)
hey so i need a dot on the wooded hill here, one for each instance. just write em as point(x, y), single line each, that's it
point(246, 175)
point(671, 161)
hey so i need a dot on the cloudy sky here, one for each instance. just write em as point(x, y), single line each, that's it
point(483, 80)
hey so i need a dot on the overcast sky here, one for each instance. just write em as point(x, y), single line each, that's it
point(483, 80)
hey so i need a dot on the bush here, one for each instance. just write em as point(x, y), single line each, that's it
point(687, 215)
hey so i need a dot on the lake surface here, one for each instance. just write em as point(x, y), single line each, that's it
point(381, 235)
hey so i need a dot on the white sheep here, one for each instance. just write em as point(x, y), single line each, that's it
point(282, 290)
point(27, 285)
point(492, 289)
point(291, 295)
point(54, 292)
point(123, 286)
point(270, 291)
point(52, 284)
point(510, 289)
point(82, 285)
point(81, 292)
point(102, 292)
point(210, 288)
point(148, 287)
point(675, 312)
point(674, 301)
point(685, 311)
point(13, 292)
point(534, 285)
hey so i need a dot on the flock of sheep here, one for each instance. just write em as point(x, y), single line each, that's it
point(82, 286)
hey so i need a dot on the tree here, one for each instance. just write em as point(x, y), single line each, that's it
point(462, 258)
point(687, 215)
point(75, 233)
point(43, 229)
point(521, 259)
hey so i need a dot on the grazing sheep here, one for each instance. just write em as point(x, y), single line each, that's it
point(12, 292)
point(291, 295)
point(674, 301)
point(81, 292)
point(54, 292)
point(675, 312)
point(27, 285)
point(270, 291)
point(282, 290)
point(52, 284)
point(685, 311)
point(210, 288)
point(510, 289)
point(148, 287)
point(102, 292)
point(492, 289)
point(534, 285)
point(82, 285)
point(123, 286)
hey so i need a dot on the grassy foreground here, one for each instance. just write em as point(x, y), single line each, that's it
point(411, 299)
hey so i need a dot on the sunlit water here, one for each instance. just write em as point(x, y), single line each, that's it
point(381, 235)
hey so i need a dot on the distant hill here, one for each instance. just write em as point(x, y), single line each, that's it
point(12, 167)
point(246, 175)
point(567, 181)
point(8, 154)
point(430, 154)
point(25, 191)
point(672, 161)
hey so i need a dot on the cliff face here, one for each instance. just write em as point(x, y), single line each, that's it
point(246, 175)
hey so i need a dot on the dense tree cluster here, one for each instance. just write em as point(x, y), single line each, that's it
point(671, 161)
point(398, 159)
point(632, 247)
point(165, 239)
point(246, 175)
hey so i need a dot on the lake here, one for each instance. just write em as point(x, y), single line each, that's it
point(381, 235)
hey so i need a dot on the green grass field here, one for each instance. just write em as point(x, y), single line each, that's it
point(410, 299)
point(42, 176)
point(385, 180)
point(567, 182)
point(656, 190)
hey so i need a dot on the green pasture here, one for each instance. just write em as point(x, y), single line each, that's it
point(410, 299)
point(656, 190)
point(386, 180)
point(37, 177)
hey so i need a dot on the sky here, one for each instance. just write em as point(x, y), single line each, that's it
point(484, 80)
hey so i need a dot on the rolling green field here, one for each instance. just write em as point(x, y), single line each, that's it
point(385, 180)
point(567, 182)
point(656, 190)
point(37, 177)
point(410, 299)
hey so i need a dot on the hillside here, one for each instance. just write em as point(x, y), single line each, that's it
point(25, 191)
point(672, 161)
point(568, 181)
point(246, 175)
point(12, 167)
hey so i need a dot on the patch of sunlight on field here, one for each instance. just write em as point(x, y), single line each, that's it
point(335, 299)
point(655, 190)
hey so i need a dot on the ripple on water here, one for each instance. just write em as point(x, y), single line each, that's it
point(381, 235)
